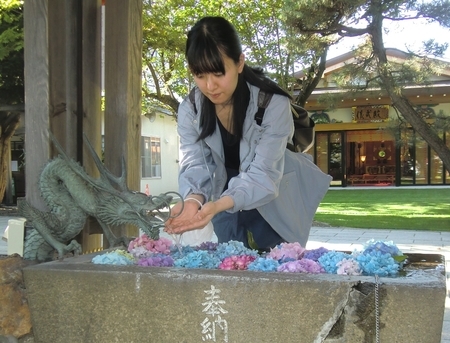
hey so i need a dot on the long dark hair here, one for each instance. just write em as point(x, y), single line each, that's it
point(208, 41)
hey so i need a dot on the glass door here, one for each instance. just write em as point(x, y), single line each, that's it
point(329, 152)
point(335, 158)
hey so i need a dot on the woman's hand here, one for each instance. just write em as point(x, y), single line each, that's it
point(191, 218)
point(180, 215)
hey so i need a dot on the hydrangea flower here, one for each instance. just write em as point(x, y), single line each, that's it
point(376, 258)
point(233, 248)
point(198, 259)
point(287, 251)
point(384, 247)
point(329, 260)
point(116, 257)
point(144, 246)
point(377, 263)
point(185, 249)
point(348, 267)
point(236, 262)
point(314, 254)
point(301, 266)
point(139, 252)
point(159, 260)
point(262, 264)
point(208, 246)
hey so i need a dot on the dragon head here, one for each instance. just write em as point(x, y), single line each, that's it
point(148, 213)
point(118, 205)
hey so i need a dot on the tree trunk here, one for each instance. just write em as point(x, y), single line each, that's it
point(400, 101)
point(9, 121)
point(312, 78)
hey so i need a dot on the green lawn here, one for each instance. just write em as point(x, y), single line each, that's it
point(400, 208)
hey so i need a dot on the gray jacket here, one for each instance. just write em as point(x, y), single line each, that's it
point(285, 187)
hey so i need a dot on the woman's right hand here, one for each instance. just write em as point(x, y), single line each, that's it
point(192, 218)
point(180, 214)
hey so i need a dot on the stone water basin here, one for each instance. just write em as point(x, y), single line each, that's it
point(77, 301)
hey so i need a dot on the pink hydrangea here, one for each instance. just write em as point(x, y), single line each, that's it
point(287, 251)
point(348, 267)
point(304, 265)
point(144, 246)
point(236, 262)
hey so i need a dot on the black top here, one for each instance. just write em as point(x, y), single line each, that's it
point(230, 148)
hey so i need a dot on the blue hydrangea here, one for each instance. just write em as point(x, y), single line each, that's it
point(175, 252)
point(262, 264)
point(384, 247)
point(115, 258)
point(378, 263)
point(329, 260)
point(233, 248)
point(198, 259)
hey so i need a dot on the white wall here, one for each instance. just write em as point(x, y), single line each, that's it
point(165, 128)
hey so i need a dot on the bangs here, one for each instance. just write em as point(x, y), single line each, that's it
point(205, 57)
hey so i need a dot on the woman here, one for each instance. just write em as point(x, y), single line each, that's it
point(231, 168)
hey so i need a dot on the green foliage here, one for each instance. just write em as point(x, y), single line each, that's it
point(166, 79)
point(322, 23)
point(371, 68)
point(11, 27)
point(11, 52)
point(251, 241)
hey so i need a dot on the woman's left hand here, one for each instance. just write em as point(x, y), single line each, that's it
point(198, 221)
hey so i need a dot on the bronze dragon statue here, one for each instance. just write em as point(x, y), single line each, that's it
point(72, 195)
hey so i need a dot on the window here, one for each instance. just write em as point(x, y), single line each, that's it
point(151, 157)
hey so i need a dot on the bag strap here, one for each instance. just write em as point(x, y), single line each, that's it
point(263, 101)
point(192, 99)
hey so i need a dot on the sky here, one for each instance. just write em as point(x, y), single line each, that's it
point(402, 35)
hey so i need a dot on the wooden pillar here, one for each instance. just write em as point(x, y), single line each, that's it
point(91, 80)
point(62, 84)
point(90, 63)
point(123, 66)
point(9, 196)
point(37, 95)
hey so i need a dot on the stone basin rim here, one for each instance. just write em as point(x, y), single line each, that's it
point(83, 263)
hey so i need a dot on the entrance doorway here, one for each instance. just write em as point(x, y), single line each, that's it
point(357, 158)
point(329, 149)
point(371, 158)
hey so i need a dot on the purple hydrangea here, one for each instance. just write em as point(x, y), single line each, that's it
point(315, 253)
point(159, 260)
point(301, 266)
point(208, 246)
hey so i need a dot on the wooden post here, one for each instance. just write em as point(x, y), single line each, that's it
point(90, 83)
point(8, 197)
point(123, 66)
point(62, 84)
point(37, 95)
